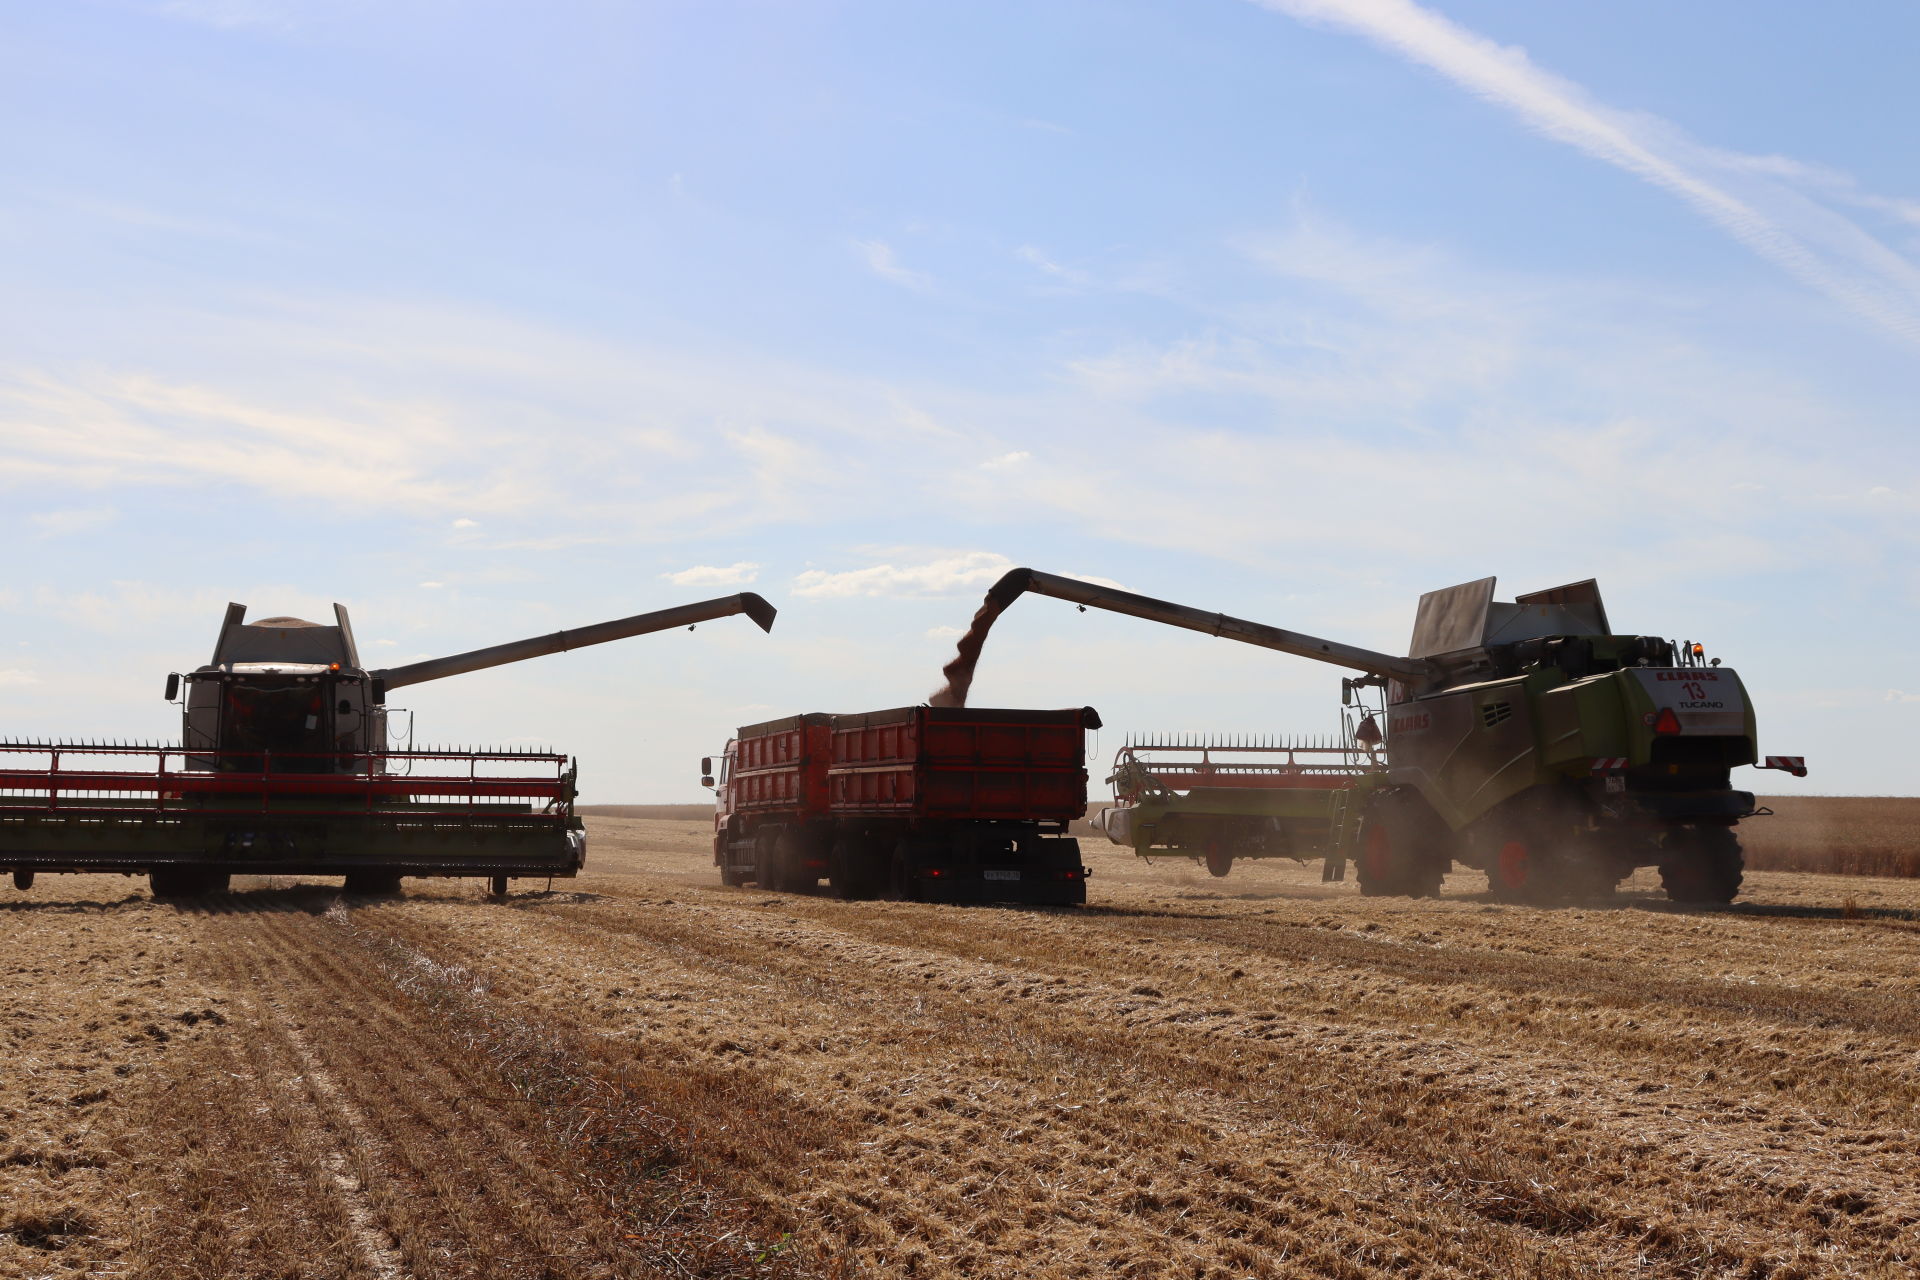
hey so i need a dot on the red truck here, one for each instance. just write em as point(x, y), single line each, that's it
point(928, 804)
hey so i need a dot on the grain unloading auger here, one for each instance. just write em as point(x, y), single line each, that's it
point(283, 769)
point(1523, 738)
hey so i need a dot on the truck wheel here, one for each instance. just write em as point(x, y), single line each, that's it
point(852, 870)
point(1702, 865)
point(789, 864)
point(23, 880)
point(900, 881)
point(498, 886)
point(1219, 861)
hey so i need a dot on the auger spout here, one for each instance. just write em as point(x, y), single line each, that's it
point(1019, 581)
point(747, 602)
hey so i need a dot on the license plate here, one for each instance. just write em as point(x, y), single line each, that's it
point(999, 873)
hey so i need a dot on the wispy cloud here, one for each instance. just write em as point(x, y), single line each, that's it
point(13, 677)
point(1001, 462)
point(61, 524)
point(945, 576)
point(885, 263)
point(1761, 201)
point(709, 575)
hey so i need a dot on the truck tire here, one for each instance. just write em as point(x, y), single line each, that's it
point(23, 880)
point(1703, 865)
point(856, 869)
point(789, 863)
point(902, 886)
point(1397, 856)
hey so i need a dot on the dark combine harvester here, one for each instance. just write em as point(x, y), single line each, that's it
point(283, 769)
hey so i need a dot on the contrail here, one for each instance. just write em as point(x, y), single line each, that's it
point(1858, 271)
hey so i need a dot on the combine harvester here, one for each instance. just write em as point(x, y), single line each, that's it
point(283, 769)
point(925, 804)
point(1524, 738)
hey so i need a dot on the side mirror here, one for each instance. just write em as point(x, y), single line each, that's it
point(379, 692)
point(707, 781)
point(173, 685)
point(706, 766)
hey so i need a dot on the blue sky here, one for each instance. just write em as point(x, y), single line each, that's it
point(488, 319)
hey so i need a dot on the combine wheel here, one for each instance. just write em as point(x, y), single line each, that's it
point(386, 883)
point(498, 886)
point(1702, 865)
point(1396, 857)
point(1518, 872)
point(1219, 861)
point(23, 880)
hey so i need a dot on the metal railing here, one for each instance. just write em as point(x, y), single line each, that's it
point(139, 781)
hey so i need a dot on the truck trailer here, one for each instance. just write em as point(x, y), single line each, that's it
point(927, 804)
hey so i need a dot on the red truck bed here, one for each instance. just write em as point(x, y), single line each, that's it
point(960, 763)
point(951, 804)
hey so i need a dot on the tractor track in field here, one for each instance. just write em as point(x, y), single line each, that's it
point(1324, 1087)
point(651, 1075)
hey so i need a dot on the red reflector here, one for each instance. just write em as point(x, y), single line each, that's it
point(1069, 875)
point(934, 873)
point(1666, 722)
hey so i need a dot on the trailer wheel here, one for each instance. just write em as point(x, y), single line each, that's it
point(1219, 861)
point(23, 880)
point(498, 886)
point(1702, 865)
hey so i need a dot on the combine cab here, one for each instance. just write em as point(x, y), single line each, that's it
point(284, 769)
point(1217, 802)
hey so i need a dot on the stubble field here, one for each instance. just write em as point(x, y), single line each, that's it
point(645, 1074)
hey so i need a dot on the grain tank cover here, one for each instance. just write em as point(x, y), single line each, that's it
point(1455, 619)
point(273, 641)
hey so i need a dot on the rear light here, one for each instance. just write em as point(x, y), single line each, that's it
point(1666, 723)
point(1070, 875)
point(934, 873)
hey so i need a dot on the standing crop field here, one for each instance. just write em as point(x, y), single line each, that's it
point(645, 1074)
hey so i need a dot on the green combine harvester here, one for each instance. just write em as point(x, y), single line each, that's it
point(1524, 738)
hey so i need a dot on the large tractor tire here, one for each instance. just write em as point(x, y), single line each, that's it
point(1521, 870)
point(1702, 865)
point(1398, 854)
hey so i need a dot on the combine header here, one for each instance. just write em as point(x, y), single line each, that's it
point(1525, 738)
point(283, 769)
point(1217, 800)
